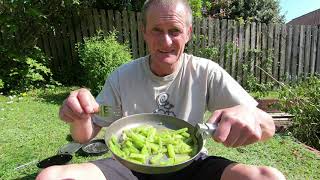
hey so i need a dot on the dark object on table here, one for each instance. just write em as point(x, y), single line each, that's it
point(95, 147)
point(59, 159)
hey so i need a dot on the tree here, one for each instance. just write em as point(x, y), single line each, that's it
point(264, 11)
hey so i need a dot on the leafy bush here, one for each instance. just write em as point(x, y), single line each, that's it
point(303, 101)
point(25, 71)
point(99, 56)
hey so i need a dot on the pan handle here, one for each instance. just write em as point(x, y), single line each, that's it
point(206, 129)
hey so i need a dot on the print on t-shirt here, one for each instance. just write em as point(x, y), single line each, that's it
point(164, 106)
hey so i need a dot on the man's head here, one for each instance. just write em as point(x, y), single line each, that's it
point(149, 3)
point(167, 28)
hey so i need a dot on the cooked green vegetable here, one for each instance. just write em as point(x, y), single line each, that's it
point(146, 145)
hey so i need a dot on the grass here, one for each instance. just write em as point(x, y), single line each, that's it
point(31, 131)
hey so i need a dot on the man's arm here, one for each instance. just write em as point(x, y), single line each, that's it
point(77, 110)
point(241, 125)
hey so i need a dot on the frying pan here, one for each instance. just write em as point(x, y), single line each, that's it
point(158, 121)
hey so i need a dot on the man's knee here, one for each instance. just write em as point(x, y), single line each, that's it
point(266, 172)
point(49, 173)
point(248, 172)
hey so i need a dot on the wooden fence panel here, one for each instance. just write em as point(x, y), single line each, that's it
point(257, 59)
point(241, 49)
point(126, 29)
point(282, 53)
point(234, 49)
point(140, 36)
point(289, 53)
point(307, 51)
point(294, 61)
point(318, 54)
point(133, 34)
point(118, 20)
point(301, 50)
point(264, 48)
point(104, 25)
point(313, 55)
point(293, 50)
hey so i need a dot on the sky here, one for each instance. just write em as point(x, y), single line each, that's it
point(295, 8)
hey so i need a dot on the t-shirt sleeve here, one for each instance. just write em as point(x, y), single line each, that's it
point(109, 95)
point(224, 91)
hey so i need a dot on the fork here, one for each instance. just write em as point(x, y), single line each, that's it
point(108, 114)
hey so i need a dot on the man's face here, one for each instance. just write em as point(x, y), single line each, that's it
point(166, 33)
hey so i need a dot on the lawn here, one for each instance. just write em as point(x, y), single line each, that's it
point(31, 131)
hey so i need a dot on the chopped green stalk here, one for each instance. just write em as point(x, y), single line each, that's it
point(181, 130)
point(171, 151)
point(156, 158)
point(138, 157)
point(144, 150)
point(168, 162)
point(181, 158)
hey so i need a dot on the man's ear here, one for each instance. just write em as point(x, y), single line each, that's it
point(189, 33)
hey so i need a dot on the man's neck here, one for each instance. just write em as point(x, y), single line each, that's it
point(161, 69)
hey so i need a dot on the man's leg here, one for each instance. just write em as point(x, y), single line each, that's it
point(72, 171)
point(249, 172)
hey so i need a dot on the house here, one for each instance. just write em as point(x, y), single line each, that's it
point(311, 18)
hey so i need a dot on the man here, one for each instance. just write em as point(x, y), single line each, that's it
point(170, 82)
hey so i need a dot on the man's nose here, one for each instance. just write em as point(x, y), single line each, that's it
point(166, 40)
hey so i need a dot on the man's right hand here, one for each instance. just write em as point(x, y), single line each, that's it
point(79, 106)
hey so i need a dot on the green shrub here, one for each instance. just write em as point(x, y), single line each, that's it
point(24, 71)
point(303, 101)
point(99, 56)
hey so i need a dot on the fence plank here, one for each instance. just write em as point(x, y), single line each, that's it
point(46, 44)
point(110, 20)
point(126, 29)
point(228, 47)
point(295, 47)
point(240, 59)
point(210, 31)
point(258, 47)
point(307, 51)
point(118, 20)
point(264, 52)
point(217, 33)
point(313, 55)
point(90, 20)
point(222, 42)
point(72, 41)
point(196, 40)
point(204, 32)
point(318, 55)
point(84, 25)
point(140, 36)
point(133, 34)
point(234, 49)
point(270, 53)
point(283, 36)
point(275, 67)
point(301, 50)
point(104, 25)
point(252, 46)
point(246, 53)
point(289, 62)
point(96, 17)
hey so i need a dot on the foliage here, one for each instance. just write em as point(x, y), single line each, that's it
point(22, 23)
point(26, 71)
point(264, 11)
point(303, 101)
point(99, 56)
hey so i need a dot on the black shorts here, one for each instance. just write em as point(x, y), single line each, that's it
point(203, 167)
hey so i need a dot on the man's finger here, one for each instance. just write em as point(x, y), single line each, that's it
point(223, 130)
point(215, 117)
point(233, 136)
point(86, 101)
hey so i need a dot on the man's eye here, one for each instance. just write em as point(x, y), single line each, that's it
point(175, 32)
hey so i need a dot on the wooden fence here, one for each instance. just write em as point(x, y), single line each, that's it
point(291, 51)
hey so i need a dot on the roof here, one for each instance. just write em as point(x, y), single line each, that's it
point(311, 18)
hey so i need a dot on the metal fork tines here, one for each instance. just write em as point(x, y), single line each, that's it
point(107, 111)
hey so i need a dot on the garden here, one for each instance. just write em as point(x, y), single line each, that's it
point(42, 61)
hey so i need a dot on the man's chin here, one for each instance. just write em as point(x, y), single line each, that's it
point(167, 58)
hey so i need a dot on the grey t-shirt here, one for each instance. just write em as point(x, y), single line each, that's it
point(197, 85)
